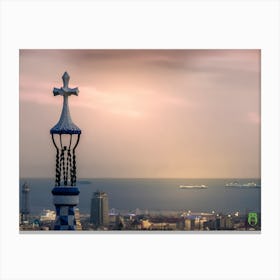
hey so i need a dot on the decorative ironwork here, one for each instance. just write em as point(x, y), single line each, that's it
point(65, 167)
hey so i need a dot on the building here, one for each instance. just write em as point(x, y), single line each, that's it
point(188, 224)
point(25, 208)
point(99, 213)
point(78, 219)
point(48, 215)
point(226, 223)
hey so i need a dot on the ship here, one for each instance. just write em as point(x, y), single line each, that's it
point(233, 184)
point(193, 187)
point(236, 184)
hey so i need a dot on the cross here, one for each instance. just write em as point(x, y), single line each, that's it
point(65, 91)
point(65, 124)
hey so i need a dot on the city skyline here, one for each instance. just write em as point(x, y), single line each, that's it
point(145, 113)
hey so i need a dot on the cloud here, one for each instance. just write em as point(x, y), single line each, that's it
point(187, 60)
point(145, 110)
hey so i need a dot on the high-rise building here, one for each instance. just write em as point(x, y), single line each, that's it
point(78, 219)
point(99, 214)
point(226, 223)
point(25, 211)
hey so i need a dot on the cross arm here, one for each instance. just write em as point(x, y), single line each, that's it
point(68, 91)
point(56, 91)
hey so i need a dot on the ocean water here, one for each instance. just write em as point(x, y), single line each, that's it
point(153, 194)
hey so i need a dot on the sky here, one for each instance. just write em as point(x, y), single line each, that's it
point(145, 113)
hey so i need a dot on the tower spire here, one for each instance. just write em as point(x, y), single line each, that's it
point(65, 193)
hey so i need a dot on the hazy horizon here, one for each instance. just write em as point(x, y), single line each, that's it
point(145, 113)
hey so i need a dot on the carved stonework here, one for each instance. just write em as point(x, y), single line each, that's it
point(65, 124)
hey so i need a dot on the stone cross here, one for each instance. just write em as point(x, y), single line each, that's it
point(65, 91)
point(65, 124)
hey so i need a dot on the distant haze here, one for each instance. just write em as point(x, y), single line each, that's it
point(145, 113)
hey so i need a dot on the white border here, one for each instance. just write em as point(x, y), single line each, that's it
point(155, 24)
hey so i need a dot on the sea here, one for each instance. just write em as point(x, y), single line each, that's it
point(148, 195)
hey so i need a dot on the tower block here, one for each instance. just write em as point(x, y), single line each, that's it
point(25, 209)
point(65, 137)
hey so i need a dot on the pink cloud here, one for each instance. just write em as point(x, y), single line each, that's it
point(148, 108)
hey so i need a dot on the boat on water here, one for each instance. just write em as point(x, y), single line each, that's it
point(193, 187)
point(233, 184)
point(251, 185)
point(236, 184)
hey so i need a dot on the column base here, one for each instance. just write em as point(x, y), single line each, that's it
point(65, 218)
point(65, 199)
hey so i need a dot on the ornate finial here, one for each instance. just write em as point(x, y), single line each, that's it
point(65, 90)
point(65, 124)
point(65, 79)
